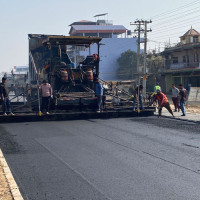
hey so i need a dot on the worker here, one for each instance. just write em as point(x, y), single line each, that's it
point(182, 98)
point(99, 94)
point(175, 97)
point(71, 77)
point(138, 92)
point(162, 102)
point(5, 97)
point(157, 87)
point(46, 96)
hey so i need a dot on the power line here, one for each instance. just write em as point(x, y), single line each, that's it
point(178, 26)
point(177, 22)
point(177, 14)
point(174, 10)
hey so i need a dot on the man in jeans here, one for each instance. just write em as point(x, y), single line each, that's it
point(175, 97)
point(182, 98)
point(138, 94)
point(99, 94)
point(46, 96)
point(5, 98)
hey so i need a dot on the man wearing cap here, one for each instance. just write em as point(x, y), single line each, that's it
point(162, 102)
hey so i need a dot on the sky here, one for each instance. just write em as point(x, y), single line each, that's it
point(18, 18)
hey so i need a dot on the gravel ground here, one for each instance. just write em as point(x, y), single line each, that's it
point(7, 145)
point(4, 188)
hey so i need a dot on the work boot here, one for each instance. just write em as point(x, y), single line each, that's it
point(4, 114)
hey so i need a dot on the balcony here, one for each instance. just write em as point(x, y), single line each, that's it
point(177, 66)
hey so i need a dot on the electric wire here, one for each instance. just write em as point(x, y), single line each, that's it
point(174, 10)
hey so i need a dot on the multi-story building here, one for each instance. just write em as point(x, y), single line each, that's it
point(182, 62)
point(115, 41)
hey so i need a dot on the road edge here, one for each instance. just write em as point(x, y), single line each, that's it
point(14, 189)
point(179, 119)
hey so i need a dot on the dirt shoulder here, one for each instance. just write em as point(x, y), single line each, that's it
point(193, 109)
point(5, 193)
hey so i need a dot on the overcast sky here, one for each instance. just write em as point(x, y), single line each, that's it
point(21, 17)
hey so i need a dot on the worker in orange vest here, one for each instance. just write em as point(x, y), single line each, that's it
point(162, 102)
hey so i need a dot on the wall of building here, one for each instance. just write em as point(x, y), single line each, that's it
point(192, 54)
point(110, 51)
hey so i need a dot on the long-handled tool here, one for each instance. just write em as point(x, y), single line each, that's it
point(39, 111)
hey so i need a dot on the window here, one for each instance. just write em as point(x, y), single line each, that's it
point(195, 39)
point(175, 60)
point(184, 59)
point(105, 35)
point(91, 34)
point(196, 57)
point(188, 59)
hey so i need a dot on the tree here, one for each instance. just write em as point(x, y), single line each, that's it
point(155, 64)
point(127, 65)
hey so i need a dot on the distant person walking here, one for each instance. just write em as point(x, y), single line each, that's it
point(46, 96)
point(182, 98)
point(162, 102)
point(5, 97)
point(175, 97)
point(138, 94)
point(99, 94)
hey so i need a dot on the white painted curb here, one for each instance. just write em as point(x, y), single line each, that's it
point(11, 181)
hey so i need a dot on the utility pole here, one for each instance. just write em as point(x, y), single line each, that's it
point(141, 28)
point(145, 57)
point(138, 30)
point(138, 23)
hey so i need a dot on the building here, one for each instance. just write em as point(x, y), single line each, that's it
point(20, 70)
point(182, 62)
point(115, 41)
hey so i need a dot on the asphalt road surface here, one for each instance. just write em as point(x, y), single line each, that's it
point(118, 159)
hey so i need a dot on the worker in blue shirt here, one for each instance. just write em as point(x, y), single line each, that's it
point(99, 94)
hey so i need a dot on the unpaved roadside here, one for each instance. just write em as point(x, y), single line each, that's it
point(5, 193)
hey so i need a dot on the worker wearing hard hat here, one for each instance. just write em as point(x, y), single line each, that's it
point(157, 87)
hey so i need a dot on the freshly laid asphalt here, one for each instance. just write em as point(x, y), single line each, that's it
point(98, 159)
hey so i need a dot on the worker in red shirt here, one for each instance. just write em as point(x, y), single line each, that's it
point(162, 102)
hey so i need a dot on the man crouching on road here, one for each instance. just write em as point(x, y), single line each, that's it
point(162, 102)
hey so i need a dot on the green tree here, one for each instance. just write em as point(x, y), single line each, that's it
point(155, 65)
point(127, 65)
